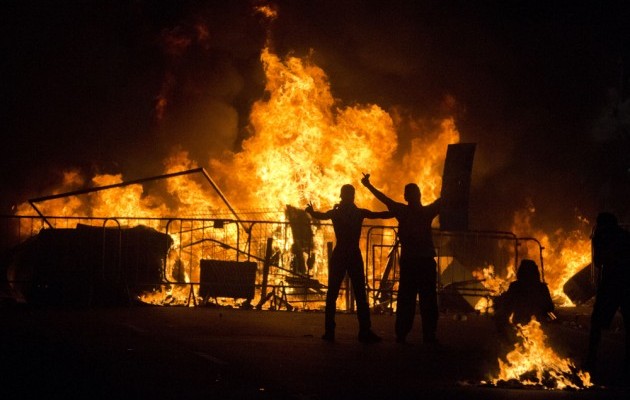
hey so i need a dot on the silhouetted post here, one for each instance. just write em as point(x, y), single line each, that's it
point(456, 186)
point(265, 272)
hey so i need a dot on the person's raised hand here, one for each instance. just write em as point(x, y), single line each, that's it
point(366, 179)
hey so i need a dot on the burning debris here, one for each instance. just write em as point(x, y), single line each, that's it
point(494, 284)
point(565, 268)
point(88, 265)
point(532, 363)
point(303, 143)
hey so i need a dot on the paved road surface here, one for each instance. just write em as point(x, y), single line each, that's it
point(146, 352)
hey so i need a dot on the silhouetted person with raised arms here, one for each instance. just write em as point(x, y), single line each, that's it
point(528, 296)
point(418, 273)
point(611, 261)
point(347, 221)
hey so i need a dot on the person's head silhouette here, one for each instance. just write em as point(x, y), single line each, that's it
point(347, 194)
point(412, 193)
point(606, 220)
point(528, 271)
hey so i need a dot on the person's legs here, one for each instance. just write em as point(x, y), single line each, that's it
point(603, 311)
point(336, 273)
point(594, 338)
point(357, 278)
point(406, 302)
point(428, 300)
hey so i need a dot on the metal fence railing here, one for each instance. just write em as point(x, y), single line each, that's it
point(161, 263)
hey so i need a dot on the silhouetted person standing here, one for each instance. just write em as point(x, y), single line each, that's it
point(418, 274)
point(347, 221)
point(527, 296)
point(611, 260)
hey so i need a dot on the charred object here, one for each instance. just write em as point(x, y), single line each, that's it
point(87, 266)
point(581, 288)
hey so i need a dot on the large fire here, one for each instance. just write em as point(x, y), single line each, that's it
point(533, 363)
point(304, 145)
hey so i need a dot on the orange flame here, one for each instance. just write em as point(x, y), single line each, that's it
point(494, 283)
point(565, 252)
point(532, 362)
point(304, 149)
point(304, 146)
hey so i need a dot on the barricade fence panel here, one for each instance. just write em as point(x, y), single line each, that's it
point(158, 261)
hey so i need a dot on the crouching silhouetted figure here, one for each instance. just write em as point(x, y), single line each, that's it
point(525, 298)
point(611, 260)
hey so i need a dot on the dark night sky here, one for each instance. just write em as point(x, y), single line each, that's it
point(534, 83)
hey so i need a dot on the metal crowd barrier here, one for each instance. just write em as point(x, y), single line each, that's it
point(291, 268)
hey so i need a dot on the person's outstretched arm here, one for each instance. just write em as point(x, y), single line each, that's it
point(317, 214)
point(434, 208)
point(377, 214)
point(377, 193)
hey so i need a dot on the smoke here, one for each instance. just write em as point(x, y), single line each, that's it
point(116, 87)
point(526, 82)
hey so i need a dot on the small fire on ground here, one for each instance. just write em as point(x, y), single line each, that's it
point(532, 363)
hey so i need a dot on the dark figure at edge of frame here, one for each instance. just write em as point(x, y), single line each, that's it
point(527, 296)
point(418, 269)
point(347, 221)
point(611, 260)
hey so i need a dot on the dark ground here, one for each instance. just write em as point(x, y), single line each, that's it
point(146, 352)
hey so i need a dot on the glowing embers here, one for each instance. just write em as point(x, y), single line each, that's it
point(533, 364)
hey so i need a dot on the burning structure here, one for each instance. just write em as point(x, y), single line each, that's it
point(244, 241)
point(303, 143)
